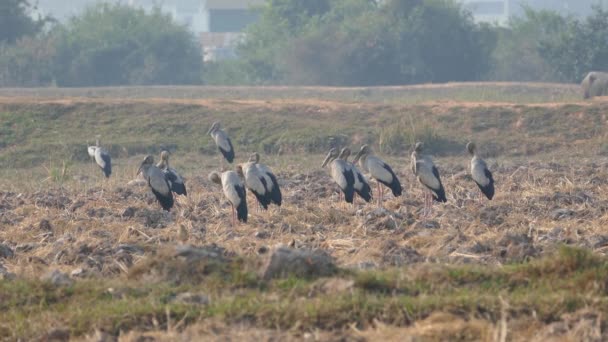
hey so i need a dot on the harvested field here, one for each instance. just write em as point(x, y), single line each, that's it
point(86, 258)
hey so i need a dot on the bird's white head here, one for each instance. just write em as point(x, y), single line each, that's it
point(364, 151)
point(254, 158)
point(418, 147)
point(215, 177)
point(239, 171)
point(344, 153)
point(164, 156)
point(471, 147)
point(214, 127)
point(333, 154)
point(148, 160)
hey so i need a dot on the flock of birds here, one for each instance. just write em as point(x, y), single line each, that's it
point(258, 178)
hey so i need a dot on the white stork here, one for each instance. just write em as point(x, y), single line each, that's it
point(222, 142)
point(175, 180)
point(255, 181)
point(235, 192)
point(341, 173)
point(157, 182)
point(424, 169)
point(101, 157)
point(480, 173)
point(271, 180)
point(379, 170)
point(361, 186)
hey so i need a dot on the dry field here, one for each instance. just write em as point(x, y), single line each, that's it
point(86, 258)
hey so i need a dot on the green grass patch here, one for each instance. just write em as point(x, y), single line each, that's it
point(551, 286)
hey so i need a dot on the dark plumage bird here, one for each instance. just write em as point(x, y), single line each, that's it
point(235, 192)
point(480, 173)
point(157, 181)
point(341, 173)
point(379, 170)
point(271, 180)
point(175, 180)
point(361, 185)
point(255, 182)
point(222, 142)
point(424, 169)
point(101, 157)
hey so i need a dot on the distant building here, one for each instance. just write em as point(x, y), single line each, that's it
point(218, 23)
point(499, 11)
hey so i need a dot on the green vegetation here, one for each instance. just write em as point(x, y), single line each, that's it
point(321, 42)
point(542, 290)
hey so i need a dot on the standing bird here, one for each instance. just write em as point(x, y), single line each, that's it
point(424, 169)
point(222, 142)
point(157, 181)
point(341, 173)
point(379, 170)
point(175, 180)
point(235, 192)
point(361, 186)
point(255, 181)
point(101, 157)
point(480, 173)
point(271, 180)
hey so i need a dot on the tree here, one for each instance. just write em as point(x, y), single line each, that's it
point(117, 44)
point(579, 48)
point(359, 42)
point(517, 56)
point(16, 22)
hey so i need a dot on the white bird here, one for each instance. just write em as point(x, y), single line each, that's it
point(424, 169)
point(361, 186)
point(222, 142)
point(255, 181)
point(271, 180)
point(480, 173)
point(175, 180)
point(341, 173)
point(101, 157)
point(235, 192)
point(157, 182)
point(379, 170)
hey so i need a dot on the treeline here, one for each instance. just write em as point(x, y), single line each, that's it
point(305, 42)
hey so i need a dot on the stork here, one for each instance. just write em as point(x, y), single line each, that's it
point(271, 180)
point(424, 169)
point(480, 173)
point(101, 157)
point(361, 185)
point(234, 191)
point(378, 170)
point(341, 173)
point(255, 181)
point(222, 142)
point(175, 180)
point(157, 181)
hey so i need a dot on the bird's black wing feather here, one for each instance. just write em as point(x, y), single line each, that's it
point(438, 194)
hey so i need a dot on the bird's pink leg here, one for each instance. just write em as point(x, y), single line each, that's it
point(233, 212)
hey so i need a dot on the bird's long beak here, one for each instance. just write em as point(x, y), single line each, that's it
point(139, 170)
point(210, 130)
point(357, 156)
point(326, 160)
